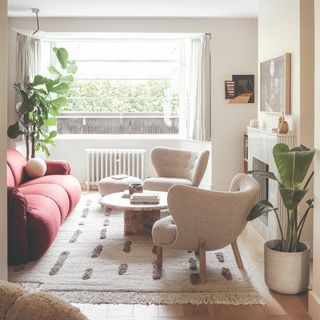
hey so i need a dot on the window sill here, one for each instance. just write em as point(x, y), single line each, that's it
point(118, 137)
point(88, 137)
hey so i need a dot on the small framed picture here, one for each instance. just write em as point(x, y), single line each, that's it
point(240, 89)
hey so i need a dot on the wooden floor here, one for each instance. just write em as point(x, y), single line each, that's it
point(279, 307)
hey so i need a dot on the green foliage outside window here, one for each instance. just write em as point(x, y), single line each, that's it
point(122, 96)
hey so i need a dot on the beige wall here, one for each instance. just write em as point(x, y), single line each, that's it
point(288, 26)
point(314, 297)
point(3, 139)
point(234, 51)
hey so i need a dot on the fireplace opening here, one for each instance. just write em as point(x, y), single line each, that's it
point(264, 185)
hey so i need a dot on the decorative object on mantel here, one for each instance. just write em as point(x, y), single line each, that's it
point(275, 89)
point(240, 89)
point(283, 126)
point(287, 259)
point(254, 123)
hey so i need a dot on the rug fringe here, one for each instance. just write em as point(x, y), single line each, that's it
point(94, 297)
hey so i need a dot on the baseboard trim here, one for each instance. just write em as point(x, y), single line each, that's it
point(314, 305)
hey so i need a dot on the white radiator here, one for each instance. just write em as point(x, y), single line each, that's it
point(103, 163)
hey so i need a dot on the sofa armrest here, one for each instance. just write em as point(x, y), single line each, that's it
point(57, 167)
point(17, 227)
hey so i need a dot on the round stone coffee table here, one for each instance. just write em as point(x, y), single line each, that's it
point(138, 218)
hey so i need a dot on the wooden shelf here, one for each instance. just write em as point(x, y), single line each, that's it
point(245, 152)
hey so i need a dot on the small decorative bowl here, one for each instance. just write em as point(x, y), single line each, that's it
point(135, 188)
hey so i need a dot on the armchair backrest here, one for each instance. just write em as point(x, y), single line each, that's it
point(217, 217)
point(16, 163)
point(177, 163)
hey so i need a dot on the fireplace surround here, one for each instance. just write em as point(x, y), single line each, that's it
point(260, 146)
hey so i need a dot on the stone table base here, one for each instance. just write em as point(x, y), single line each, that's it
point(139, 221)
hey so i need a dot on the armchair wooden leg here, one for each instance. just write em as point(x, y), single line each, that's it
point(202, 260)
point(237, 255)
point(159, 257)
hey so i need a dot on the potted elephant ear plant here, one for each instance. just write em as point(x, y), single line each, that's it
point(287, 259)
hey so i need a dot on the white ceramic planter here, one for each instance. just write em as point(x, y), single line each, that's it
point(286, 272)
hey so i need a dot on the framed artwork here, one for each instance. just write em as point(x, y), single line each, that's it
point(275, 85)
point(240, 89)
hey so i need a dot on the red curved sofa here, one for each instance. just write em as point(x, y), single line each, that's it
point(37, 207)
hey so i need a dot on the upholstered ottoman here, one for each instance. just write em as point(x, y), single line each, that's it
point(116, 184)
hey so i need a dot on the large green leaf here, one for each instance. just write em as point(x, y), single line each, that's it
point(259, 209)
point(292, 164)
point(263, 174)
point(59, 102)
point(39, 80)
point(54, 70)
point(13, 130)
point(49, 85)
point(50, 122)
point(62, 55)
point(66, 79)
point(72, 68)
point(292, 197)
point(61, 88)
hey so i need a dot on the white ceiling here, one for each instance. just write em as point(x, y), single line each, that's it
point(135, 8)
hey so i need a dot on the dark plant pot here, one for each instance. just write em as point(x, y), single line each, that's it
point(286, 272)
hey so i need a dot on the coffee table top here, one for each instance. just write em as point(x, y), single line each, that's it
point(115, 200)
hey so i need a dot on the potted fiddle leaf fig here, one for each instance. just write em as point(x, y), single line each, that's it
point(287, 259)
point(40, 105)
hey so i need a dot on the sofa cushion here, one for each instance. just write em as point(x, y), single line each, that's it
point(53, 191)
point(163, 183)
point(69, 183)
point(17, 162)
point(43, 216)
point(36, 168)
point(10, 178)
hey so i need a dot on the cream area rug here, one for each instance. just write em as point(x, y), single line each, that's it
point(91, 261)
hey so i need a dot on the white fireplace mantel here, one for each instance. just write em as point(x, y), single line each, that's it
point(260, 146)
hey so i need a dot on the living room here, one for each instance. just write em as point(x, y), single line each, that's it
point(241, 38)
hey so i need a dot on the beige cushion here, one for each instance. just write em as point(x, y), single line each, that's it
point(164, 231)
point(163, 183)
point(16, 304)
point(9, 293)
point(36, 168)
point(109, 185)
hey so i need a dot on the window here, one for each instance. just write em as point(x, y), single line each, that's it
point(124, 85)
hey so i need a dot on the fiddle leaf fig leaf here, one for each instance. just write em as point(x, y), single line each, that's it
point(50, 122)
point(62, 55)
point(54, 70)
point(67, 79)
point(13, 131)
point(72, 68)
point(39, 80)
point(59, 102)
point(61, 88)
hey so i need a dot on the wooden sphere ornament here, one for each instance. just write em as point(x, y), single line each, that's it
point(283, 126)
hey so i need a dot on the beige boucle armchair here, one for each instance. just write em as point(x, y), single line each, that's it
point(203, 220)
point(175, 166)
